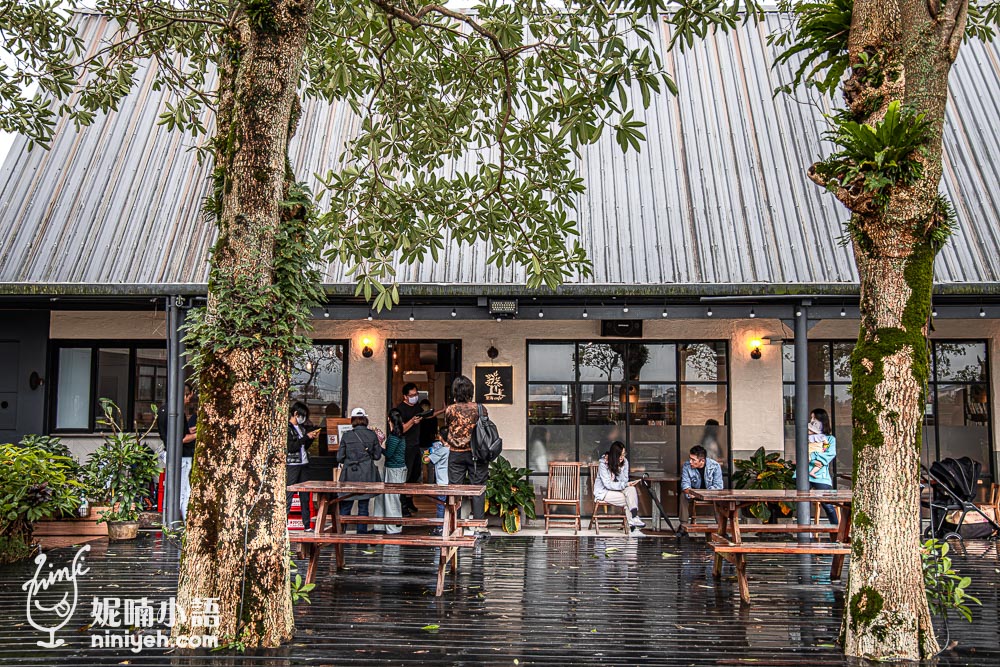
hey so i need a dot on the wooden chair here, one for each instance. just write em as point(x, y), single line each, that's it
point(600, 505)
point(563, 490)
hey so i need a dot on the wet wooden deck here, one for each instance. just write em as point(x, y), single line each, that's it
point(533, 600)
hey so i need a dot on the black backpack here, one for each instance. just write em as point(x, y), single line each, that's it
point(486, 441)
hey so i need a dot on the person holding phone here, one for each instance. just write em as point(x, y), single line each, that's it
point(409, 410)
point(612, 484)
point(297, 457)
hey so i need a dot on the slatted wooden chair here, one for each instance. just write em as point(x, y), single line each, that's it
point(607, 508)
point(563, 491)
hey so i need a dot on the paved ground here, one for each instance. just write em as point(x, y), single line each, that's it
point(518, 601)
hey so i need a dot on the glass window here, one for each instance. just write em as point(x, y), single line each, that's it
point(788, 362)
point(150, 386)
point(819, 361)
point(628, 391)
point(602, 361)
point(551, 426)
point(653, 363)
point(961, 362)
point(962, 424)
point(703, 362)
point(318, 381)
point(551, 362)
point(112, 381)
point(73, 390)
point(842, 361)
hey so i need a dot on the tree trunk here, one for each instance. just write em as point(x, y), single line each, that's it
point(894, 247)
point(236, 544)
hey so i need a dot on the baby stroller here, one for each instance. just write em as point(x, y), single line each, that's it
point(952, 497)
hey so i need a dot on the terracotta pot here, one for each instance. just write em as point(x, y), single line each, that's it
point(122, 530)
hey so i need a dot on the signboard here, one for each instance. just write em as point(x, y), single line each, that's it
point(495, 385)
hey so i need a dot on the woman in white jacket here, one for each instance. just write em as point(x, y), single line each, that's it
point(612, 485)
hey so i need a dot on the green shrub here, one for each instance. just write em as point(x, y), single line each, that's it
point(34, 484)
point(764, 471)
point(121, 470)
point(507, 492)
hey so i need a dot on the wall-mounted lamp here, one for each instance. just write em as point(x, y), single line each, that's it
point(755, 348)
point(492, 352)
point(367, 350)
point(35, 380)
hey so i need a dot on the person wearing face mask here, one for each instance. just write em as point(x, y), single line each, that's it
point(297, 457)
point(409, 408)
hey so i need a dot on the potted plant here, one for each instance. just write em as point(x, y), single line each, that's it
point(34, 484)
point(508, 493)
point(765, 471)
point(120, 473)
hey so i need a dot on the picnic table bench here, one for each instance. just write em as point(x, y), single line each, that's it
point(727, 540)
point(330, 493)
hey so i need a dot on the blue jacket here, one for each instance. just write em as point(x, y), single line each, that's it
point(691, 477)
point(605, 482)
point(438, 454)
point(825, 458)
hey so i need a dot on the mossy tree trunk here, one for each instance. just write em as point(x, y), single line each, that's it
point(236, 542)
point(899, 51)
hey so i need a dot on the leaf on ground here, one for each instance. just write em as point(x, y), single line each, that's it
point(611, 550)
point(431, 627)
point(368, 551)
point(667, 554)
point(594, 630)
point(825, 645)
point(616, 589)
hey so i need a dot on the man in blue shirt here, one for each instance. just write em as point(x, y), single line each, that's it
point(700, 472)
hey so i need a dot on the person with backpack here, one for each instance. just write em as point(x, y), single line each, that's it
point(359, 450)
point(460, 420)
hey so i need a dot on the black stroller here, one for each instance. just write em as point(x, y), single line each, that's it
point(953, 490)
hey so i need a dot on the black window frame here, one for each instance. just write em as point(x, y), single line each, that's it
point(932, 394)
point(346, 344)
point(94, 345)
point(677, 383)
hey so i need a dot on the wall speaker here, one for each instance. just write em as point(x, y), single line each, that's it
point(622, 328)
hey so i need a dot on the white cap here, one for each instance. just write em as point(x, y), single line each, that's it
point(359, 412)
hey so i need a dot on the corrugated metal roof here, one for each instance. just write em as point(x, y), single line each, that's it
point(718, 194)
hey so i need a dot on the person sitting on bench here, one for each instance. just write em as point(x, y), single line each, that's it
point(612, 485)
point(700, 472)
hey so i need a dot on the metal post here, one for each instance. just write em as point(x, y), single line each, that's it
point(802, 412)
point(175, 414)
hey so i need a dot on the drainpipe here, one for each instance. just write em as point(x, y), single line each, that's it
point(802, 412)
point(175, 412)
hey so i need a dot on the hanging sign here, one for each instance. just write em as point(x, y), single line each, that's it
point(494, 385)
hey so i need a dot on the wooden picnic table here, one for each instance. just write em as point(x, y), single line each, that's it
point(727, 540)
point(330, 494)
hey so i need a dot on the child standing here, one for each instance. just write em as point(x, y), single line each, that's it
point(438, 455)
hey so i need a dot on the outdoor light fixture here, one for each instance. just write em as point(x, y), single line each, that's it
point(798, 312)
point(492, 352)
point(934, 312)
point(326, 312)
point(843, 313)
point(709, 311)
point(625, 308)
point(503, 307)
point(541, 313)
point(664, 313)
point(367, 351)
point(369, 314)
point(755, 348)
point(752, 314)
point(499, 319)
point(585, 316)
point(411, 315)
point(982, 313)
point(454, 313)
